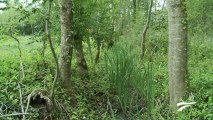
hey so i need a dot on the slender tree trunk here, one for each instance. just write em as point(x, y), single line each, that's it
point(90, 50)
point(81, 62)
point(112, 37)
point(134, 10)
point(32, 28)
point(98, 50)
point(11, 31)
point(177, 55)
point(22, 29)
point(143, 41)
point(164, 1)
point(66, 41)
point(43, 38)
point(48, 34)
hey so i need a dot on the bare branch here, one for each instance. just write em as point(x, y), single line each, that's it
point(15, 114)
point(21, 101)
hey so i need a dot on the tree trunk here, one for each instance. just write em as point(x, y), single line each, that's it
point(143, 41)
point(66, 41)
point(81, 62)
point(98, 50)
point(177, 55)
point(90, 50)
point(134, 10)
point(32, 28)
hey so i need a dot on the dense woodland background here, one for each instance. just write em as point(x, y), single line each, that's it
point(106, 59)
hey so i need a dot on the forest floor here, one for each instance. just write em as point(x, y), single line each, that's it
point(93, 95)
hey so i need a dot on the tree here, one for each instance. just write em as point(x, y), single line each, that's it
point(134, 9)
point(66, 41)
point(177, 56)
point(80, 20)
point(145, 30)
point(80, 59)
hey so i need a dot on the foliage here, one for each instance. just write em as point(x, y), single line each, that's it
point(128, 78)
point(10, 70)
point(120, 85)
point(199, 19)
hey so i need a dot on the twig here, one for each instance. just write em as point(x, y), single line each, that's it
point(110, 108)
point(21, 101)
point(61, 106)
point(15, 114)
point(20, 56)
point(3, 105)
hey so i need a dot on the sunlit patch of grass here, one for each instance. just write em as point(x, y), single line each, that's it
point(9, 47)
point(9, 53)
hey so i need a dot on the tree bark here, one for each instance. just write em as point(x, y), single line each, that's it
point(177, 56)
point(81, 62)
point(143, 41)
point(66, 41)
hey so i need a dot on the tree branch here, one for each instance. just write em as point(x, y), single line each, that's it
point(15, 114)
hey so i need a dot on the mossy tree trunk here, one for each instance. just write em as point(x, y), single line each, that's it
point(81, 61)
point(66, 41)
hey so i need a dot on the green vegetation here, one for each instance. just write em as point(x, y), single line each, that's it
point(119, 85)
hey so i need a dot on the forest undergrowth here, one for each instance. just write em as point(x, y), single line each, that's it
point(118, 77)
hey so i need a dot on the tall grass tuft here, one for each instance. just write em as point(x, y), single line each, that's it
point(128, 75)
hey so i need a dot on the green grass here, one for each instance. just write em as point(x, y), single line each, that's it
point(9, 46)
